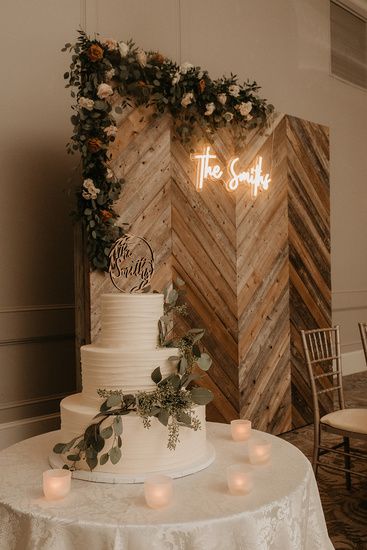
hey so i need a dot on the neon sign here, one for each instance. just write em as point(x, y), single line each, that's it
point(207, 169)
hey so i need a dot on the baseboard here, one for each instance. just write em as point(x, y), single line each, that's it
point(12, 432)
point(353, 362)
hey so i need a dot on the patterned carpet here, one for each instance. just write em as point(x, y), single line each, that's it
point(345, 511)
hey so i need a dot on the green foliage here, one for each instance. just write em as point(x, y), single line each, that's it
point(187, 92)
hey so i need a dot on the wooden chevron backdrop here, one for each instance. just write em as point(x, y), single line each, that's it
point(256, 269)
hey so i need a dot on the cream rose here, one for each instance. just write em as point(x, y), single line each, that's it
point(124, 49)
point(110, 131)
point(110, 44)
point(187, 99)
point(245, 108)
point(110, 74)
point(104, 90)
point(210, 108)
point(91, 191)
point(234, 90)
point(186, 67)
point(176, 78)
point(228, 116)
point(141, 56)
point(109, 174)
point(86, 103)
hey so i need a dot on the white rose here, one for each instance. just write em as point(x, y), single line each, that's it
point(141, 56)
point(86, 103)
point(110, 44)
point(245, 108)
point(104, 90)
point(124, 49)
point(110, 130)
point(228, 116)
point(187, 99)
point(234, 90)
point(110, 74)
point(91, 190)
point(222, 98)
point(210, 108)
point(186, 67)
point(176, 78)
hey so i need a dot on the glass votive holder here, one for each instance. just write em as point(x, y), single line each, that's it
point(259, 451)
point(158, 491)
point(240, 429)
point(56, 483)
point(239, 479)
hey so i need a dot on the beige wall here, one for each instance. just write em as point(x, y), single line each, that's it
point(36, 277)
point(283, 44)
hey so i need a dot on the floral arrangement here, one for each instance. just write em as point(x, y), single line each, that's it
point(108, 76)
point(171, 403)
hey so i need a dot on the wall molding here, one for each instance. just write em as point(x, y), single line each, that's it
point(353, 362)
point(17, 430)
point(32, 401)
point(37, 339)
point(349, 299)
point(40, 307)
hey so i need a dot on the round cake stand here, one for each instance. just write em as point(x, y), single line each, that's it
point(56, 461)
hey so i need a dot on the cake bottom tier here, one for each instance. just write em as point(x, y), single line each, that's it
point(143, 449)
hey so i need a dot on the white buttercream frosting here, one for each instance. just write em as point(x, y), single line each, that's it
point(130, 320)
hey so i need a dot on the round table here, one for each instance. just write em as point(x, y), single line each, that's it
point(283, 512)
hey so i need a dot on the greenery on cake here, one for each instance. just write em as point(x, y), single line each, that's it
point(107, 76)
point(172, 402)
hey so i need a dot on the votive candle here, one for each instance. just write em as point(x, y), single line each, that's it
point(239, 479)
point(259, 451)
point(240, 429)
point(158, 491)
point(56, 483)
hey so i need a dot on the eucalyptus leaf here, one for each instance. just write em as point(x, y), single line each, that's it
point(204, 361)
point(73, 458)
point(182, 365)
point(117, 425)
point(179, 281)
point(59, 448)
point(196, 334)
point(92, 462)
point(156, 375)
point(107, 432)
point(119, 441)
point(115, 455)
point(184, 417)
point(172, 296)
point(103, 459)
point(114, 400)
point(201, 396)
point(163, 417)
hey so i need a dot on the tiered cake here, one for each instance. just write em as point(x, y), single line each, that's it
point(123, 358)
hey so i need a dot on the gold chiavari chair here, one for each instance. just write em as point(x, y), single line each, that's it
point(323, 358)
point(363, 332)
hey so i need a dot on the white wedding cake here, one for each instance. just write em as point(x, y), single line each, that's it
point(123, 358)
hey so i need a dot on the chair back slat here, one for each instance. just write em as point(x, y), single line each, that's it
point(323, 358)
point(363, 333)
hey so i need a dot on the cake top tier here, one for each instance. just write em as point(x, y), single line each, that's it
point(130, 320)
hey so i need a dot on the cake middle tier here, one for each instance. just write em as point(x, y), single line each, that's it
point(128, 370)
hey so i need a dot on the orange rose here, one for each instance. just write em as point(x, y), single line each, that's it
point(158, 57)
point(105, 215)
point(95, 52)
point(141, 84)
point(94, 145)
point(201, 85)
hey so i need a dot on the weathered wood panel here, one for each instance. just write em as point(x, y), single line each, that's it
point(256, 269)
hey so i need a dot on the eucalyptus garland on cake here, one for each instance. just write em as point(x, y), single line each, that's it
point(106, 76)
point(172, 402)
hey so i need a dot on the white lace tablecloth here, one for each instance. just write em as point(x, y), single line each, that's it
point(283, 512)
